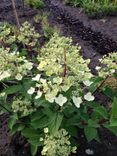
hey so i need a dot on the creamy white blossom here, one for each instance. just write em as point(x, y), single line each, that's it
point(46, 130)
point(60, 100)
point(2, 94)
point(18, 76)
point(29, 65)
point(77, 101)
point(50, 97)
point(87, 83)
point(89, 97)
point(97, 67)
point(31, 91)
point(37, 77)
point(43, 80)
point(39, 94)
point(89, 152)
point(4, 74)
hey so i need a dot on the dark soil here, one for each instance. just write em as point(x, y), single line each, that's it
point(101, 36)
point(96, 37)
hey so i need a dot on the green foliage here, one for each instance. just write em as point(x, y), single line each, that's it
point(35, 3)
point(96, 7)
point(91, 133)
point(51, 96)
point(47, 29)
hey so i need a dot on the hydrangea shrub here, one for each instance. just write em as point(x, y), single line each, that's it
point(53, 94)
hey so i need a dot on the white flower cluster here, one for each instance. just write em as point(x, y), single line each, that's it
point(12, 65)
point(60, 73)
point(6, 34)
point(58, 54)
point(27, 35)
point(57, 145)
point(110, 65)
point(24, 107)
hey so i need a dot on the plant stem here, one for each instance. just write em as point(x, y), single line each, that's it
point(101, 84)
point(15, 12)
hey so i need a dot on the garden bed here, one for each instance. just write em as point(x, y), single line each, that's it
point(101, 34)
point(96, 37)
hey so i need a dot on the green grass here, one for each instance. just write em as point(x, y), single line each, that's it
point(96, 7)
point(35, 3)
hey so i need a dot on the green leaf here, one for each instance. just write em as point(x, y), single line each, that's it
point(23, 52)
point(84, 116)
point(112, 129)
point(30, 133)
point(69, 111)
point(41, 102)
point(95, 84)
point(93, 104)
point(35, 141)
point(93, 123)
point(55, 123)
point(17, 127)
point(37, 115)
point(48, 112)
point(34, 150)
point(12, 121)
point(115, 75)
point(114, 109)
point(109, 92)
point(41, 122)
point(97, 108)
point(90, 133)
point(12, 89)
point(74, 120)
point(72, 130)
point(102, 111)
point(113, 122)
point(26, 84)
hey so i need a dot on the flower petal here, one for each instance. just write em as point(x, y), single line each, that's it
point(18, 76)
point(87, 83)
point(77, 101)
point(60, 100)
point(39, 94)
point(89, 97)
point(37, 77)
point(31, 91)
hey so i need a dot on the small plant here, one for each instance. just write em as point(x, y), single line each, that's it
point(96, 8)
point(35, 3)
point(51, 96)
point(48, 30)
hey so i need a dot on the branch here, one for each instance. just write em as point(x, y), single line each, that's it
point(101, 84)
point(15, 12)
